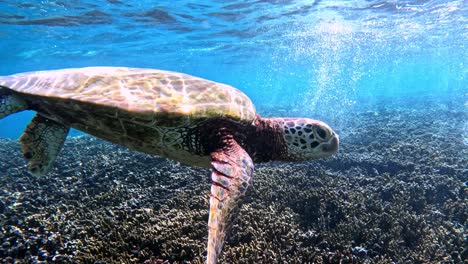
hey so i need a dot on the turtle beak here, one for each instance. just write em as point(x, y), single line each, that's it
point(331, 147)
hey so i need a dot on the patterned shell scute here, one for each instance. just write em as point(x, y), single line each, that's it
point(140, 91)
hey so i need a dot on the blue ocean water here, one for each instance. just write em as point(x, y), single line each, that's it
point(324, 59)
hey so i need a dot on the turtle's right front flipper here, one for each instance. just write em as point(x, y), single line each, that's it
point(232, 171)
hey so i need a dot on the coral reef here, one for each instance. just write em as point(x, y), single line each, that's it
point(396, 192)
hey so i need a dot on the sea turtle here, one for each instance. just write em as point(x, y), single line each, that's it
point(182, 117)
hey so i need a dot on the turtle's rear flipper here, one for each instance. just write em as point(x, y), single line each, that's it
point(42, 141)
point(10, 103)
point(231, 175)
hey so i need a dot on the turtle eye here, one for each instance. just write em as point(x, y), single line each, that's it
point(321, 133)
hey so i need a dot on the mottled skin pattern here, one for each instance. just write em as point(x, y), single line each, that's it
point(41, 142)
point(185, 118)
point(10, 105)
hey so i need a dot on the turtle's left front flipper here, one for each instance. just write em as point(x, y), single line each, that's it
point(231, 175)
point(42, 141)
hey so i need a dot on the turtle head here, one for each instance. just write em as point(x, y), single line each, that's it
point(307, 139)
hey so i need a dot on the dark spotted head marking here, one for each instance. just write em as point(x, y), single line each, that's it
point(307, 138)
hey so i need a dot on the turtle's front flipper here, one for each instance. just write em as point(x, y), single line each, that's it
point(42, 141)
point(231, 175)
